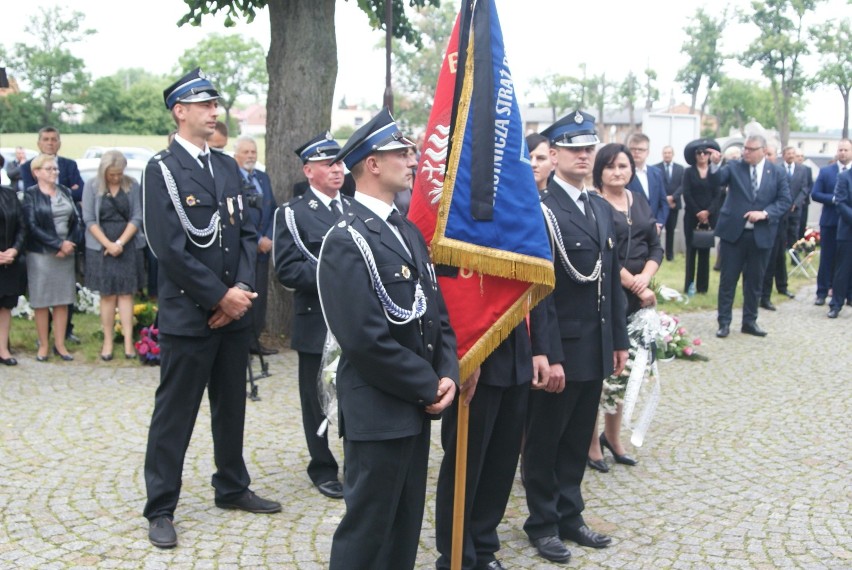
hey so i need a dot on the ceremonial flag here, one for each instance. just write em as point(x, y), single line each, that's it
point(474, 197)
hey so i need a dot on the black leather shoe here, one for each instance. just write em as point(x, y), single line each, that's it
point(551, 548)
point(832, 314)
point(251, 503)
point(8, 361)
point(724, 330)
point(820, 301)
point(161, 532)
point(584, 536)
point(331, 489)
point(597, 464)
point(753, 330)
point(493, 565)
point(767, 304)
point(72, 338)
point(623, 459)
point(106, 357)
point(65, 357)
point(787, 294)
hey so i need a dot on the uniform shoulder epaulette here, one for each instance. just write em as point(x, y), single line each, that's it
point(292, 201)
point(161, 155)
point(596, 195)
point(216, 150)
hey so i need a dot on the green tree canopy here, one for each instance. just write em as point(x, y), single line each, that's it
point(704, 68)
point(130, 102)
point(777, 51)
point(236, 65)
point(561, 92)
point(736, 102)
point(628, 92)
point(417, 69)
point(52, 72)
point(834, 45)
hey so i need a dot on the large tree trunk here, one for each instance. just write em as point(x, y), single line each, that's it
point(302, 44)
point(845, 94)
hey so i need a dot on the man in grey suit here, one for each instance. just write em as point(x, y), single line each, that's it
point(758, 196)
point(672, 179)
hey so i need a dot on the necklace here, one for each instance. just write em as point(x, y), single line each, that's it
point(627, 198)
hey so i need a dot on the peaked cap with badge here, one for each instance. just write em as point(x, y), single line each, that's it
point(194, 87)
point(321, 147)
point(575, 129)
point(378, 135)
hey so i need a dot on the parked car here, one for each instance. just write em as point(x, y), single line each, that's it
point(129, 152)
point(89, 168)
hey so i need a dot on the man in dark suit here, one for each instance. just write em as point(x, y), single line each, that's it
point(758, 196)
point(197, 226)
point(13, 169)
point(587, 313)
point(672, 178)
point(843, 264)
point(648, 180)
point(497, 395)
point(300, 226)
point(803, 214)
point(797, 178)
point(801, 182)
point(823, 192)
point(261, 206)
point(69, 175)
point(398, 363)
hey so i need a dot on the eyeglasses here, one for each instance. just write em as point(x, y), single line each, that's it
point(697, 152)
point(752, 148)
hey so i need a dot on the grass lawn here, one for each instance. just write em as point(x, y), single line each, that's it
point(671, 275)
point(74, 145)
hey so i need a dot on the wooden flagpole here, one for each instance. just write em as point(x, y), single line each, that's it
point(460, 487)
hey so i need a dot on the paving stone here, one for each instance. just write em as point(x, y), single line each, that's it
point(734, 472)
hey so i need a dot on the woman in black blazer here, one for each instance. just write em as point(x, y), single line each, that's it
point(13, 272)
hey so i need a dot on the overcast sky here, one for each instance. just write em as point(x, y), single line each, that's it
point(541, 36)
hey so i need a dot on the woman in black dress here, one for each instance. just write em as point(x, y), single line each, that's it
point(13, 271)
point(112, 211)
point(701, 207)
point(640, 254)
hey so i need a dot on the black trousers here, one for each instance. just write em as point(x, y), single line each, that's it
point(384, 488)
point(671, 225)
point(702, 280)
point(741, 257)
point(495, 429)
point(322, 466)
point(188, 366)
point(827, 252)
point(556, 446)
point(842, 274)
point(776, 267)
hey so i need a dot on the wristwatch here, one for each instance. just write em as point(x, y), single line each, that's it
point(118, 242)
point(243, 286)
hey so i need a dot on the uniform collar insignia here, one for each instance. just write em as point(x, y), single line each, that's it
point(313, 204)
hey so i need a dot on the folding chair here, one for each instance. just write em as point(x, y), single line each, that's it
point(802, 264)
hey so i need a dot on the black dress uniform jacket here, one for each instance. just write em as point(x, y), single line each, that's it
point(588, 336)
point(387, 373)
point(297, 272)
point(193, 279)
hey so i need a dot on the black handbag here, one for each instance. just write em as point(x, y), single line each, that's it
point(702, 237)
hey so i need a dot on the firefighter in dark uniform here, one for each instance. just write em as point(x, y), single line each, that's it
point(398, 364)
point(587, 311)
point(300, 226)
point(197, 225)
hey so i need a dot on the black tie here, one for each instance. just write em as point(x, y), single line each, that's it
point(587, 208)
point(335, 207)
point(205, 163)
point(754, 179)
point(395, 219)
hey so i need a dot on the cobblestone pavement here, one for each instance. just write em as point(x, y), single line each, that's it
point(746, 466)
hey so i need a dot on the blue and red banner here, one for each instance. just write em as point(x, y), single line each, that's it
point(474, 195)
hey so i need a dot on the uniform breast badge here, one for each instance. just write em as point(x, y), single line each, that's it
point(191, 200)
point(406, 272)
point(230, 202)
point(313, 204)
point(609, 242)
